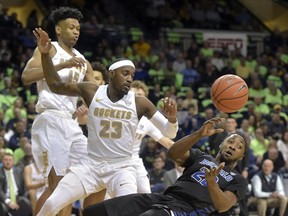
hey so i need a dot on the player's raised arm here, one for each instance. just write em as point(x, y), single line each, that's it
point(53, 79)
point(169, 125)
point(179, 151)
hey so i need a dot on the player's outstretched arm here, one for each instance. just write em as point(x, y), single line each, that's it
point(179, 151)
point(169, 125)
point(222, 200)
point(85, 89)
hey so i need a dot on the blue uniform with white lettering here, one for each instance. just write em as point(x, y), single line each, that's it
point(188, 196)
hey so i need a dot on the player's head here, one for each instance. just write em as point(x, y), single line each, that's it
point(67, 26)
point(232, 149)
point(121, 74)
point(140, 88)
point(100, 73)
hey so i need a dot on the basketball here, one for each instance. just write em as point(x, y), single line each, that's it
point(229, 93)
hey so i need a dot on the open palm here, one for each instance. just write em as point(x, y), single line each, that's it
point(43, 40)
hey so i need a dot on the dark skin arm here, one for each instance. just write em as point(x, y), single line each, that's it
point(146, 107)
point(84, 89)
point(222, 200)
point(179, 152)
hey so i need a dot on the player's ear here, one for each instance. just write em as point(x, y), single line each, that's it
point(111, 73)
point(57, 29)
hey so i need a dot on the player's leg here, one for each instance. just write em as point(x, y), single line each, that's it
point(53, 181)
point(143, 182)
point(47, 144)
point(78, 150)
point(69, 190)
point(51, 150)
point(94, 198)
point(156, 212)
point(92, 209)
point(133, 204)
point(122, 182)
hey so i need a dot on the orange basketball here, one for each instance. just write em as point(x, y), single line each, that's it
point(229, 93)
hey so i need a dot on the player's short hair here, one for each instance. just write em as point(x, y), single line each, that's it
point(140, 85)
point(63, 13)
point(101, 68)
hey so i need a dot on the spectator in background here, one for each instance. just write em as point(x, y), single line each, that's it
point(142, 47)
point(34, 182)
point(276, 127)
point(190, 76)
point(172, 175)
point(32, 20)
point(268, 190)
point(259, 144)
point(20, 130)
point(155, 94)
point(243, 70)
point(190, 100)
point(283, 173)
point(149, 152)
point(12, 189)
point(28, 157)
point(261, 107)
point(275, 156)
point(282, 144)
point(19, 153)
point(273, 95)
point(156, 175)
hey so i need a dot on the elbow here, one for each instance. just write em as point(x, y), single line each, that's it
point(222, 209)
point(25, 79)
point(54, 87)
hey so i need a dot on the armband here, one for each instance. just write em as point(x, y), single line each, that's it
point(167, 128)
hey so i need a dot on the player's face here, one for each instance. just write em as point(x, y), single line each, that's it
point(98, 77)
point(232, 149)
point(122, 78)
point(138, 92)
point(68, 31)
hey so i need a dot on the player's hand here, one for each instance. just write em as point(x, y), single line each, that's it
point(81, 114)
point(169, 108)
point(75, 61)
point(43, 40)
point(13, 205)
point(208, 128)
point(210, 174)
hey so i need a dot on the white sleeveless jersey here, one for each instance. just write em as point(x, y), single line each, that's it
point(145, 127)
point(50, 100)
point(37, 177)
point(111, 126)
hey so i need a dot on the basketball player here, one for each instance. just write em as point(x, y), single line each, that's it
point(100, 75)
point(208, 185)
point(57, 140)
point(145, 127)
point(113, 116)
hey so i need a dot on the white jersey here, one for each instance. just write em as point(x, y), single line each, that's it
point(50, 100)
point(37, 177)
point(145, 127)
point(111, 126)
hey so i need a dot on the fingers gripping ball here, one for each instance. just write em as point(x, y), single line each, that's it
point(229, 93)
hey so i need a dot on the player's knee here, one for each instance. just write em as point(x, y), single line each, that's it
point(156, 212)
point(99, 208)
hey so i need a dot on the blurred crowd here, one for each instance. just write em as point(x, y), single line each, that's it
point(169, 70)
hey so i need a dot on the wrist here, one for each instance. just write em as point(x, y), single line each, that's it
point(7, 201)
point(173, 120)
